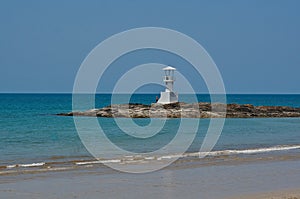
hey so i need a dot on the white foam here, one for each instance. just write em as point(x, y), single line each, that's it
point(170, 156)
point(145, 159)
point(149, 158)
point(139, 158)
point(244, 151)
point(230, 152)
point(99, 162)
point(262, 150)
point(32, 164)
point(11, 166)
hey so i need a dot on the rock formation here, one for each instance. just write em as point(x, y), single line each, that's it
point(184, 110)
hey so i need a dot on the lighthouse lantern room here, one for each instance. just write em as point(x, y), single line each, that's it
point(169, 96)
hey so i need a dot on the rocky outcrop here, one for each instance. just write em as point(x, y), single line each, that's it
point(184, 110)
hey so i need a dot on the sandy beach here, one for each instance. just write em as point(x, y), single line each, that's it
point(265, 180)
point(281, 194)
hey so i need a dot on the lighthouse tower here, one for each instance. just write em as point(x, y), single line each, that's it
point(169, 96)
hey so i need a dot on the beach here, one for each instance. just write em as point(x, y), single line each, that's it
point(281, 194)
point(258, 179)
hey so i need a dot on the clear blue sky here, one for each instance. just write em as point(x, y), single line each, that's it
point(255, 43)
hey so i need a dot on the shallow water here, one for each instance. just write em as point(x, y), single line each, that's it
point(30, 133)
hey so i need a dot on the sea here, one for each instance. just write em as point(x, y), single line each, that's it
point(33, 137)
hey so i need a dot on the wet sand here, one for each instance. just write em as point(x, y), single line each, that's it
point(264, 179)
point(281, 194)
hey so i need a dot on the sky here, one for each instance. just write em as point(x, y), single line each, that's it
point(255, 44)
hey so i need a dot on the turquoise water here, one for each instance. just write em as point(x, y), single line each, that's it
point(30, 132)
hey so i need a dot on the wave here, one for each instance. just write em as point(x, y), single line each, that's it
point(65, 165)
point(231, 152)
point(99, 162)
point(26, 165)
point(245, 151)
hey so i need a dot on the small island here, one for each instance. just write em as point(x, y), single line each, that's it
point(185, 110)
point(167, 106)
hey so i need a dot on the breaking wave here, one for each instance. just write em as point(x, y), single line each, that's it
point(67, 165)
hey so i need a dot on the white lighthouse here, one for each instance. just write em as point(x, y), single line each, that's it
point(169, 96)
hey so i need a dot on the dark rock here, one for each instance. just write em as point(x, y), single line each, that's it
point(184, 110)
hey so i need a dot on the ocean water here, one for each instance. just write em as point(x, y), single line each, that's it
point(31, 135)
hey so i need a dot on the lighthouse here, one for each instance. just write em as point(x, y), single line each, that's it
point(168, 96)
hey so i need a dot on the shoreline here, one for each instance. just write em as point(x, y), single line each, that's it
point(186, 160)
point(261, 179)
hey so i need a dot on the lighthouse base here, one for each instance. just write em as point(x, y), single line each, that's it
point(168, 97)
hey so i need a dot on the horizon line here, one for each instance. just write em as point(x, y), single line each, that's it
point(259, 93)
